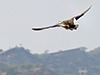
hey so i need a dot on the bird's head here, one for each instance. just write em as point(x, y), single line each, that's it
point(59, 22)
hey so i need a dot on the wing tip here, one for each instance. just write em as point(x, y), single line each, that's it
point(90, 6)
point(36, 29)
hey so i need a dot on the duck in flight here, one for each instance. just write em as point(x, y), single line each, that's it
point(67, 24)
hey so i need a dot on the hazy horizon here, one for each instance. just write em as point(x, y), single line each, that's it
point(17, 17)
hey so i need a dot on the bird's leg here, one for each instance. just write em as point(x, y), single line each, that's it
point(71, 29)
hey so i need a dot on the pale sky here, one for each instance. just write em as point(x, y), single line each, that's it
point(17, 17)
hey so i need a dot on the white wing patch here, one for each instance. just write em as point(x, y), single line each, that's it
point(75, 20)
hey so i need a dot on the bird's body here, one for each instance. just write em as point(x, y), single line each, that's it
point(67, 24)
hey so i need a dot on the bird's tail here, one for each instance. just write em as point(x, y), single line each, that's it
point(46, 27)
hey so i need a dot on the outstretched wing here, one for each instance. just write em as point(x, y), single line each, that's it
point(46, 27)
point(77, 17)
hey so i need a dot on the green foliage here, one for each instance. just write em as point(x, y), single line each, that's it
point(4, 67)
point(26, 66)
point(25, 69)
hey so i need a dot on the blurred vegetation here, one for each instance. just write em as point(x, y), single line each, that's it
point(19, 61)
point(25, 69)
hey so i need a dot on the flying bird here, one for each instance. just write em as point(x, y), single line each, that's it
point(67, 24)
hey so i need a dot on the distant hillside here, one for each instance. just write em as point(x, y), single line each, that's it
point(69, 61)
point(38, 71)
point(18, 55)
point(62, 62)
point(95, 53)
point(24, 69)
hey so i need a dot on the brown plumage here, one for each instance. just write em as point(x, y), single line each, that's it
point(67, 24)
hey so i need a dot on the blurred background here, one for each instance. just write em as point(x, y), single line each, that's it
point(17, 17)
